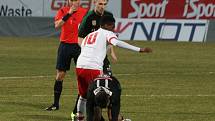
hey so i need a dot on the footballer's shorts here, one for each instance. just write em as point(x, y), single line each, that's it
point(85, 77)
point(106, 67)
point(67, 52)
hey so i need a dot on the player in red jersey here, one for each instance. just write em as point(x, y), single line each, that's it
point(67, 19)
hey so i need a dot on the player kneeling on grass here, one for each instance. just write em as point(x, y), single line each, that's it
point(90, 62)
point(104, 92)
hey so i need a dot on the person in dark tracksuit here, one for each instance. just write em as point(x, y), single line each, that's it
point(103, 92)
point(91, 23)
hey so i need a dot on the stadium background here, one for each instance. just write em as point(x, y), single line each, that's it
point(152, 20)
point(174, 83)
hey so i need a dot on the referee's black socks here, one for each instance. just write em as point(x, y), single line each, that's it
point(57, 91)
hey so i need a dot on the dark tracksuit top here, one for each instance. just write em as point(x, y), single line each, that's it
point(113, 85)
point(91, 23)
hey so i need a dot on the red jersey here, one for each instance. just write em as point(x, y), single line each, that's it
point(69, 30)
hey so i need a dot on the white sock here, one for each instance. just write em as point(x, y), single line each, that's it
point(81, 106)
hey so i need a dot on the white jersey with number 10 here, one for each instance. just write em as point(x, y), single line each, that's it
point(94, 49)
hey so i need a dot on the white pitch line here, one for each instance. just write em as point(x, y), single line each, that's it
point(168, 95)
point(125, 74)
point(165, 73)
point(24, 77)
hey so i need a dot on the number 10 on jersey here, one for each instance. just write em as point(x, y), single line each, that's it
point(91, 38)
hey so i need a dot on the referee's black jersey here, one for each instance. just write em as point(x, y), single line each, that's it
point(90, 23)
point(113, 85)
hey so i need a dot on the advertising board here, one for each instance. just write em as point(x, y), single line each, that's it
point(161, 29)
point(21, 8)
point(169, 9)
point(47, 8)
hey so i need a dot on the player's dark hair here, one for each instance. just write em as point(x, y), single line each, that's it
point(98, 114)
point(101, 99)
point(107, 19)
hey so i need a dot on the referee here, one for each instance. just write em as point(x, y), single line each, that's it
point(67, 19)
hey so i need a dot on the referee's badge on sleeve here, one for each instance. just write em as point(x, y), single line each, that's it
point(94, 22)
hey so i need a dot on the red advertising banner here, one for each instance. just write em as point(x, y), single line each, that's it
point(170, 9)
point(57, 4)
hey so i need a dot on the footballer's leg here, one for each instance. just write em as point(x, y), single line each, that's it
point(74, 112)
point(106, 67)
point(58, 86)
point(81, 108)
point(76, 50)
point(63, 65)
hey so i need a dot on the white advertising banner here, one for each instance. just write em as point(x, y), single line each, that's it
point(185, 30)
point(51, 6)
point(161, 29)
point(134, 29)
point(47, 8)
point(21, 8)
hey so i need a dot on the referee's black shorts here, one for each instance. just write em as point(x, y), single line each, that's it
point(67, 52)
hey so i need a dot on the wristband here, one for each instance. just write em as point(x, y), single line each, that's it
point(66, 17)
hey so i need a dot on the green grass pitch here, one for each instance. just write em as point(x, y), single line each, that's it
point(174, 83)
